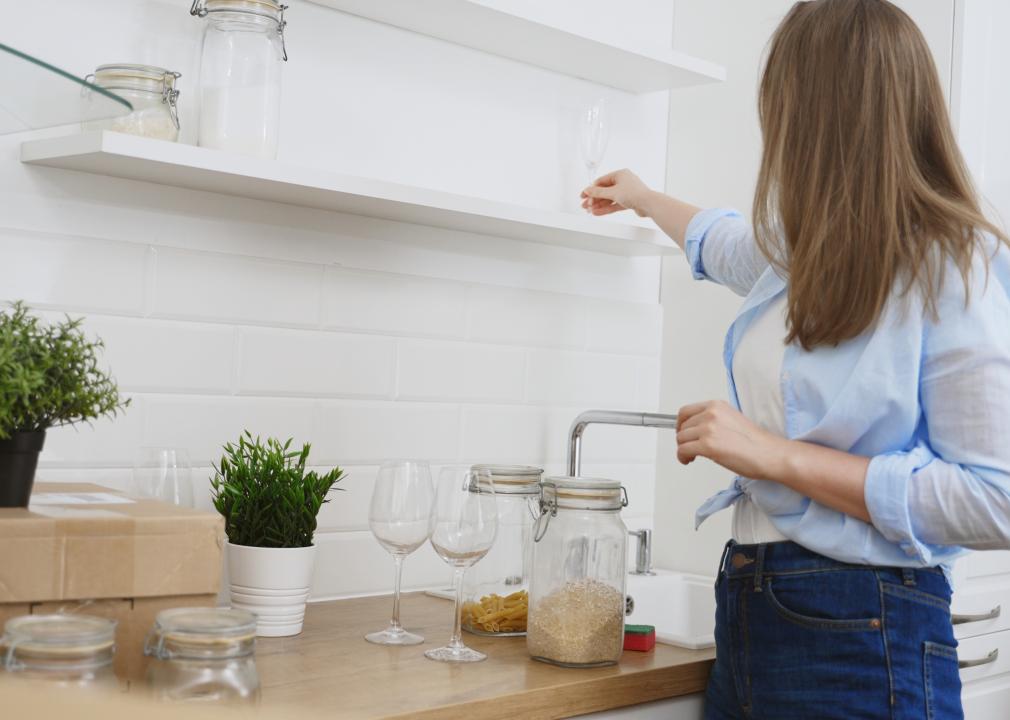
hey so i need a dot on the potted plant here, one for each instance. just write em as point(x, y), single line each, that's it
point(49, 376)
point(270, 504)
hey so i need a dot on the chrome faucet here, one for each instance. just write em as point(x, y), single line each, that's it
point(643, 556)
point(609, 417)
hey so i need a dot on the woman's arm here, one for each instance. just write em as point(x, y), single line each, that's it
point(717, 431)
point(719, 244)
point(623, 190)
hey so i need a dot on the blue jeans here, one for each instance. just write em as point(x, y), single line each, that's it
point(799, 635)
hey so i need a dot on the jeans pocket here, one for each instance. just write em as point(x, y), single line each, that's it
point(942, 682)
point(824, 620)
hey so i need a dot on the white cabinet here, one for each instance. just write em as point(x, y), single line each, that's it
point(687, 707)
point(980, 105)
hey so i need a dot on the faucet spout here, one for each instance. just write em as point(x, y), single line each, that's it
point(609, 417)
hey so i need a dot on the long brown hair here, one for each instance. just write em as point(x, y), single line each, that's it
point(862, 187)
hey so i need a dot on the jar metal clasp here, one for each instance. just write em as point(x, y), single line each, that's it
point(548, 509)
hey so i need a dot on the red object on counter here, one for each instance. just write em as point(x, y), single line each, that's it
point(641, 638)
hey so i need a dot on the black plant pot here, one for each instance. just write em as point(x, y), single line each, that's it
point(18, 458)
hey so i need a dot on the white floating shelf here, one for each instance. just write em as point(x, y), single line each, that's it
point(478, 26)
point(185, 166)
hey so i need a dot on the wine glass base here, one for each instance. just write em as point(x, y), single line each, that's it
point(451, 654)
point(394, 637)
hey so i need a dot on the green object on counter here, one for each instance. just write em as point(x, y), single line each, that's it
point(639, 629)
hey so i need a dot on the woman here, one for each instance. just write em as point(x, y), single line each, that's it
point(869, 375)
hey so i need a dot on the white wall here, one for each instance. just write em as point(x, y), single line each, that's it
point(370, 339)
point(714, 152)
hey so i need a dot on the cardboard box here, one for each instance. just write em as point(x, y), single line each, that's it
point(82, 548)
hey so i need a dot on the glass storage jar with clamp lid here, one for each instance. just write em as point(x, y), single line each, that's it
point(150, 90)
point(496, 590)
point(203, 655)
point(577, 586)
point(72, 651)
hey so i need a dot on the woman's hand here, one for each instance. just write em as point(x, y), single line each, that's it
point(616, 191)
point(722, 434)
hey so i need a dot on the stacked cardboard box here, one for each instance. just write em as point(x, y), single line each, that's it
point(83, 548)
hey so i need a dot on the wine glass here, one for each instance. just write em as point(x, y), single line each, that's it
point(594, 134)
point(164, 473)
point(465, 524)
point(400, 518)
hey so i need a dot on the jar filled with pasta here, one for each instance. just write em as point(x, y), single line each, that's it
point(496, 590)
point(576, 610)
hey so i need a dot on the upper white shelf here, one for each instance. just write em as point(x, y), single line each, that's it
point(185, 166)
point(475, 25)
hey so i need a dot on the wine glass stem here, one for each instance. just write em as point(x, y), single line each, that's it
point(457, 629)
point(394, 624)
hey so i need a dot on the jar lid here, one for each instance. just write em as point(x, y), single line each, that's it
point(63, 636)
point(512, 479)
point(201, 632)
point(137, 72)
point(255, 7)
point(585, 493)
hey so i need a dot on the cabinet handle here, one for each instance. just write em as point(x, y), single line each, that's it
point(987, 660)
point(964, 619)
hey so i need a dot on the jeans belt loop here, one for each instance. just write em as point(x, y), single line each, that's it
point(908, 576)
point(759, 566)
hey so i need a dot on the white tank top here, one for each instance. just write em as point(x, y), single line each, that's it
point(757, 367)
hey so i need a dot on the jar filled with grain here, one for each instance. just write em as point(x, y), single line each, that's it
point(576, 609)
point(496, 590)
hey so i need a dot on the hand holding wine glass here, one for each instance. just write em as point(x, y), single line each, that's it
point(400, 519)
point(465, 525)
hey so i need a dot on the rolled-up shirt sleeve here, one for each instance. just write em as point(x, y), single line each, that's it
point(719, 245)
point(953, 487)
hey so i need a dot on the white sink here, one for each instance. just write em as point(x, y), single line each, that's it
point(681, 606)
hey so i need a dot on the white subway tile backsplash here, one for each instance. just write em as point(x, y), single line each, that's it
point(432, 370)
point(633, 328)
point(370, 433)
point(103, 443)
point(647, 390)
point(166, 356)
point(203, 424)
point(348, 504)
point(525, 317)
point(353, 563)
point(235, 288)
point(74, 273)
point(572, 378)
point(381, 302)
point(509, 435)
point(315, 363)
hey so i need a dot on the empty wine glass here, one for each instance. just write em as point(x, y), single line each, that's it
point(400, 517)
point(465, 524)
point(594, 134)
point(164, 473)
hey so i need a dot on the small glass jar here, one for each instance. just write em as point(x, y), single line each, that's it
point(68, 651)
point(152, 93)
point(496, 592)
point(576, 616)
point(203, 655)
point(240, 75)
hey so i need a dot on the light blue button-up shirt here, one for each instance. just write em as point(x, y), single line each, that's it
point(928, 400)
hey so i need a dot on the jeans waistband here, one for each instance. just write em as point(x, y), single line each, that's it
point(789, 558)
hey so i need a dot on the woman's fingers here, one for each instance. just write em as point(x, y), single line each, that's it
point(688, 415)
point(688, 452)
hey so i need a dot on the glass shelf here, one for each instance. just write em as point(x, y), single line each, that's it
point(34, 94)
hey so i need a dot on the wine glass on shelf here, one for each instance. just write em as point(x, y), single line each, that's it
point(465, 525)
point(400, 518)
point(594, 135)
point(164, 473)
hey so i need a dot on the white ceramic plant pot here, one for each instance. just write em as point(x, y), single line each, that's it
point(273, 584)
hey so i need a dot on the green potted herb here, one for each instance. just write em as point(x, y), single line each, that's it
point(49, 376)
point(270, 503)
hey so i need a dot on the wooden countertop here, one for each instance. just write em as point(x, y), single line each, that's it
point(331, 669)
